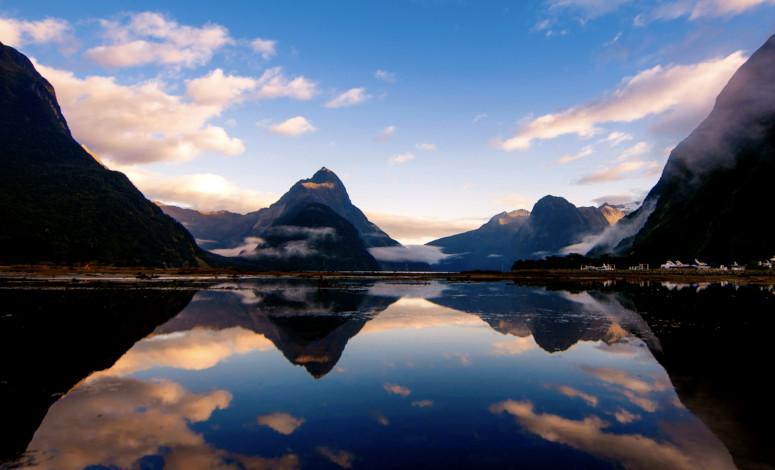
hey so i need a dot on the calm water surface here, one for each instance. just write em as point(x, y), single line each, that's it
point(276, 374)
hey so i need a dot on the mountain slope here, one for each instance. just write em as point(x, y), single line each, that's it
point(57, 203)
point(702, 205)
point(553, 224)
point(228, 230)
point(312, 237)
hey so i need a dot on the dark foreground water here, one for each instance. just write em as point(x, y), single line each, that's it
point(285, 374)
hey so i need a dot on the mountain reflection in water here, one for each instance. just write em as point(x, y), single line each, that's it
point(452, 375)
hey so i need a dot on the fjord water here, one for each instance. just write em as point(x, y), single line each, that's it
point(364, 374)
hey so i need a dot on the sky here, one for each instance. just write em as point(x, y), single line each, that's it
point(435, 114)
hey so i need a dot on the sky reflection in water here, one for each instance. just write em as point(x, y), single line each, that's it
point(384, 375)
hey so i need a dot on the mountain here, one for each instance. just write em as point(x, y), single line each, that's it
point(57, 203)
point(314, 226)
point(327, 189)
point(553, 224)
point(312, 237)
point(714, 199)
point(225, 230)
point(210, 227)
point(490, 247)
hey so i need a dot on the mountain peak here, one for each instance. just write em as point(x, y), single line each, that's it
point(324, 175)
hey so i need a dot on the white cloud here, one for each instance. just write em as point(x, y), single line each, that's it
point(692, 447)
point(425, 146)
point(203, 191)
point(630, 168)
point(420, 230)
point(17, 33)
point(197, 349)
point(638, 149)
point(479, 117)
point(695, 9)
point(687, 91)
point(151, 38)
point(349, 98)
point(293, 127)
point(143, 123)
point(283, 423)
point(616, 138)
point(385, 134)
point(590, 8)
point(418, 253)
point(569, 158)
point(217, 89)
point(395, 389)
point(402, 158)
point(385, 76)
point(265, 47)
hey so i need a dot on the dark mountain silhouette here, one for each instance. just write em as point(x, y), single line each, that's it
point(54, 338)
point(57, 203)
point(227, 230)
point(703, 204)
point(310, 326)
point(312, 237)
point(553, 224)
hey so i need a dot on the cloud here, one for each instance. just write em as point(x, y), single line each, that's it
point(513, 347)
point(143, 123)
point(394, 389)
point(637, 149)
point(191, 350)
point(675, 91)
point(419, 253)
point(385, 76)
point(283, 423)
point(146, 38)
point(340, 457)
point(695, 9)
point(631, 168)
point(586, 151)
point(402, 158)
point(696, 448)
point(420, 230)
point(616, 138)
point(51, 30)
point(293, 127)
point(385, 134)
point(248, 246)
point(623, 198)
point(265, 47)
point(203, 191)
point(589, 8)
point(349, 98)
point(479, 117)
point(572, 393)
point(116, 422)
point(425, 146)
point(422, 403)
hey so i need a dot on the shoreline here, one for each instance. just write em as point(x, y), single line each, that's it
point(37, 274)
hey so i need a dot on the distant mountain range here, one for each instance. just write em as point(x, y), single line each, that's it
point(714, 198)
point(57, 203)
point(553, 224)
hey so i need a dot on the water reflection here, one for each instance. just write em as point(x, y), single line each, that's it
point(392, 375)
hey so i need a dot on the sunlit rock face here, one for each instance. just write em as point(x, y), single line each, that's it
point(703, 201)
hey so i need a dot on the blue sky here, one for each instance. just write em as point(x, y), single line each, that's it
point(435, 114)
